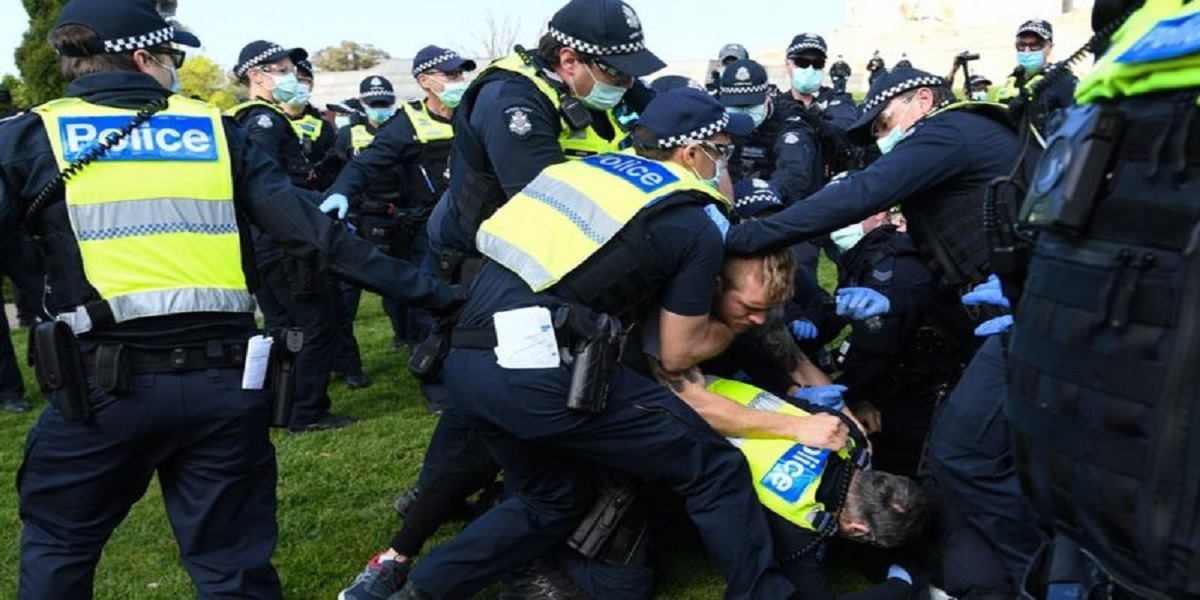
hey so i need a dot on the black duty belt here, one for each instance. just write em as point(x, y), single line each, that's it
point(484, 338)
point(142, 361)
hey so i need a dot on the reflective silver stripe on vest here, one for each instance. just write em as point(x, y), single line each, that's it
point(165, 302)
point(576, 206)
point(134, 218)
point(514, 258)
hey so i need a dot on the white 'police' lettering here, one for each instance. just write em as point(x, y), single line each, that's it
point(644, 174)
point(798, 468)
point(163, 138)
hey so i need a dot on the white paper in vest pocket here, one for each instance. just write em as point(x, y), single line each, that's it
point(525, 339)
point(258, 355)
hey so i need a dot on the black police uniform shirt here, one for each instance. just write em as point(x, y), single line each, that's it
point(274, 132)
point(689, 252)
point(509, 130)
point(1050, 103)
point(949, 153)
point(838, 108)
point(376, 173)
point(320, 150)
point(783, 150)
point(262, 193)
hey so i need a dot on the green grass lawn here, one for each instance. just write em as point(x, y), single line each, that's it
point(335, 493)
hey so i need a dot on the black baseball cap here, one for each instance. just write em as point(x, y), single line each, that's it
point(121, 26)
point(607, 29)
point(743, 83)
point(262, 52)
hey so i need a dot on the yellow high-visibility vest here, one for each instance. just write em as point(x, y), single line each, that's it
point(428, 128)
point(571, 209)
point(154, 218)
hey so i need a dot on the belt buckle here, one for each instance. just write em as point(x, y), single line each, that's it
point(179, 359)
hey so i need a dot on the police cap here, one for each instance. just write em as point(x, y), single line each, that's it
point(121, 26)
point(888, 86)
point(262, 52)
point(1038, 27)
point(667, 83)
point(304, 67)
point(753, 196)
point(685, 116)
point(975, 80)
point(377, 90)
point(433, 57)
point(607, 29)
point(805, 42)
point(743, 83)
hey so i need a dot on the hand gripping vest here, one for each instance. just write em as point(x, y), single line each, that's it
point(1104, 384)
point(155, 217)
point(572, 209)
point(787, 475)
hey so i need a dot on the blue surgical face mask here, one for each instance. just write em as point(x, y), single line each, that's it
point(713, 182)
point(286, 87)
point(1031, 61)
point(758, 113)
point(893, 137)
point(848, 236)
point(452, 93)
point(979, 96)
point(341, 121)
point(807, 80)
point(379, 115)
point(603, 95)
point(175, 86)
point(303, 94)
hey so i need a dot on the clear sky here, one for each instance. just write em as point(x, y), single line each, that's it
point(675, 29)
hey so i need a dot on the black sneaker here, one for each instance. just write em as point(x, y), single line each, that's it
point(356, 381)
point(329, 421)
point(541, 580)
point(15, 404)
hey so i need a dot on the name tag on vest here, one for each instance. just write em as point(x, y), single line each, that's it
point(1168, 39)
point(795, 471)
point(165, 137)
point(645, 175)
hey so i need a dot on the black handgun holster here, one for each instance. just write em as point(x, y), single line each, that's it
point(281, 374)
point(59, 366)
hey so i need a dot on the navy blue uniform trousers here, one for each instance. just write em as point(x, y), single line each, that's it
point(207, 440)
point(646, 430)
point(991, 531)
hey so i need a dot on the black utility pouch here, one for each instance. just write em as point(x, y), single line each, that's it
point(113, 372)
point(591, 370)
point(281, 373)
point(59, 367)
point(428, 356)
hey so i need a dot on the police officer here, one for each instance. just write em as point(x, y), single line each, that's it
point(517, 399)
point(805, 67)
point(294, 291)
point(161, 318)
point(1035, 40)
point(875, 68)
point(316, 134)
point(978, 86)
point(728, 54)
point(839, 75)
point(530, 110)
point(1102, 357)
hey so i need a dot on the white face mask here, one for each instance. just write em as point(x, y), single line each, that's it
point(848, 236)
point(341, 121)
point(979, 96)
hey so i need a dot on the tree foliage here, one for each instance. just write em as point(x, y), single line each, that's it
point(204, 79)
point(349, 56)
point(42, 81)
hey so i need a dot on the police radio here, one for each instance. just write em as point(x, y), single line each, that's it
point(576, 115)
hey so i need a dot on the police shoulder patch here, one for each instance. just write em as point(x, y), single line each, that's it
point(791, 137)
point(264, 121)
point(518, 121)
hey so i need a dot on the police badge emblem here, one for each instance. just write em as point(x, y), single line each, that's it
point(743, 74)
point(631, 17)
point(518, 122)
point(791, 137)
point(264, 121)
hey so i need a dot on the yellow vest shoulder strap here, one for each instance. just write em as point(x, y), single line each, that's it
point(235, 111)
point(427, 128)
point(513, 63)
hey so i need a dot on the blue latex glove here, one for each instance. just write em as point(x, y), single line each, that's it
point(899, 572)
point(988, 292)
point(336, 202)
point(860, 303)
point(994, 326)
point(829, 396)
point(803, 329)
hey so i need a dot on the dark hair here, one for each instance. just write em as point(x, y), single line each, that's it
point(942, 95)
point(548, 47)
point(81, 37)
point(895, 507)
point(644, 143)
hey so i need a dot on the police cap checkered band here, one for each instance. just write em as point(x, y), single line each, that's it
point(759, 195)
point(435, 61)
point(898, 88)
point(696, 135)
point(138, 42)
point(261, 52)
point(807, 42)
point(595, 49)
point(745, 89)
point(1038, 27)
